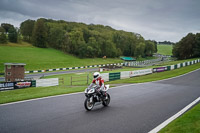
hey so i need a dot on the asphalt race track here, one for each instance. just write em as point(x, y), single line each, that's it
point(133, 109)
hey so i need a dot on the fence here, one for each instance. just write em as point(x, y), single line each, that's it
point(80, 80)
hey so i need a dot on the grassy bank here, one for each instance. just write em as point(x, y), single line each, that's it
point(187, 123)
point(45, 58)
point(164, 49)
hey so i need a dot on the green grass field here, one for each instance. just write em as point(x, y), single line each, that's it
point(164, 49)
point(44, 58)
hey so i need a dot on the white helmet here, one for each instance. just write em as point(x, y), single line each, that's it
point(96, 75)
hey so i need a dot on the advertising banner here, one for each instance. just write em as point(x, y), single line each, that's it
point(15, 85)
point(159, 69)
point(22, 84)
point(140, 72)
point(6, 86)
point(114, 76)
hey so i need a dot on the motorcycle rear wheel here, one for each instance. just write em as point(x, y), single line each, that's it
point(106, 101)
point(88, 106)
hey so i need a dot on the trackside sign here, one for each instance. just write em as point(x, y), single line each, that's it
point(159, 69)
point(15, 85)
point(7, 86)
point(140, 72)
point(22, 84)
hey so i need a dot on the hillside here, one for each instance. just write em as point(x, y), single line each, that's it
point(164, 49)
point(44, 58)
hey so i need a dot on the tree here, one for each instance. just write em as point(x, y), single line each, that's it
point(197, 45)
point(85, 40)
point(6, 26)
point(185, 48)
point(75, 41)
point(2, 36)
point(56, 37)
point(12, 35)
point(26, 29)
point(139, 51)
point(155, 44)
point(40, 34)
point(111, 50)
point(149, 48)
point(96, 50)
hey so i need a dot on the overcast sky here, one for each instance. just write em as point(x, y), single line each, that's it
point(158, 20)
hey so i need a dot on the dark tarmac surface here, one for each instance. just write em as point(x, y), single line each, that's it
point(133, 109)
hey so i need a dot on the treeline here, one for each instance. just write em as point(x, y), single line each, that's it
point(166, 43)
point(8, 33)
point(85, 40)
point(187, 47)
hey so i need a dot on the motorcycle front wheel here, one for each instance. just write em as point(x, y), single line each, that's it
point(106, 100)
point(88, 105)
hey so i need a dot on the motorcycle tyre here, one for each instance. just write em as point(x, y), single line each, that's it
point(106, 103)
point(86, 106)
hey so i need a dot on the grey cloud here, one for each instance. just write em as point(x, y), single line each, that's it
point(154, 19)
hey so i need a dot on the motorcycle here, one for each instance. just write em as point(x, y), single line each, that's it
point(94, 97)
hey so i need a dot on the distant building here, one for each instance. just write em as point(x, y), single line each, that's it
point(14, 72)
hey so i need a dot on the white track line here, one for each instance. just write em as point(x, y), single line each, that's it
point(82, 92)
point(165, 123)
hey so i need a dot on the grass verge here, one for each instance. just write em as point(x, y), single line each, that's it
point(36, 92)
point(187, 123)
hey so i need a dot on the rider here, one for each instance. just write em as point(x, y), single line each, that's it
point(98, 81)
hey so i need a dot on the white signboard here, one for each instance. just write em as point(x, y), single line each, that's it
point(124, 75)
point(105, 76)
point(47, 82)
point(140, 72)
